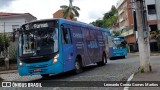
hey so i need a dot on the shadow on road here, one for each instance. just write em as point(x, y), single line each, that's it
point(117, 58)
point(65, 75)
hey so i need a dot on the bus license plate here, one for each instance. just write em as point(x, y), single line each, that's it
point(37, 70)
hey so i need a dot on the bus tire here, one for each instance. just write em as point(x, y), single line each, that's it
point(45, 75)
point(103, 62)
point(78, 66)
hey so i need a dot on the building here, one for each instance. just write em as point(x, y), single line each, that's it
point(153, 14)
point(11, 21)
point(59, 14)
point(153, 17)
point(125, 21)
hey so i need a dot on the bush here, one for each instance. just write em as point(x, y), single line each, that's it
point(4, 40)
point(116, 33)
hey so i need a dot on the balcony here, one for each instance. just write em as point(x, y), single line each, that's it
point(121, 11)
point(127, 32)
point(121, 20)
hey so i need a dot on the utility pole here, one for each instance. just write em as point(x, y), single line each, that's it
point(143, 35)
point(4, 38)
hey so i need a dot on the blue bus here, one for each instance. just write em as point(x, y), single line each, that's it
point(117, 47)
point(55, 46)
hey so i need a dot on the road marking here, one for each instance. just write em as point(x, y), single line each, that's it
point(128, 81)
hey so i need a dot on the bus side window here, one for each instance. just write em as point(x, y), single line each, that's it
point(66, 38)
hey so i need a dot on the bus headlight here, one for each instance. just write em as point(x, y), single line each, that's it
point(20, 62)
point(55, 59)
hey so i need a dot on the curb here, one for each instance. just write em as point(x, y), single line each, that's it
point(152, 54)
point(9, 71)
point(130, 79)
point(155, 54)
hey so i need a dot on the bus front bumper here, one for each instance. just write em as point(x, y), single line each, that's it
point(40, 68)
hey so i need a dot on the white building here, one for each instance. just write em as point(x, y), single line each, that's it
point(153, 14)
point(10, 21)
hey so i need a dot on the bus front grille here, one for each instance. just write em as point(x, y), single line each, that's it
point(42, 68)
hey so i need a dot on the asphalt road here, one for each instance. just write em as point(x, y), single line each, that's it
point(114, 70)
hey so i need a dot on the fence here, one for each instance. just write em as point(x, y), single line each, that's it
point(8, 58)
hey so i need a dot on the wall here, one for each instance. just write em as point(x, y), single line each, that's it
point(9, 22)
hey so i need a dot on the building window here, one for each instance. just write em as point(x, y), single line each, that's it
point(151, 9)
point(153, 27)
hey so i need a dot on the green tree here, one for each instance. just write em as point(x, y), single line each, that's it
point(116, 33)
point(71, 11)
point(109, 19)
point(112, 12)
point(4, 40)
point(98, 23)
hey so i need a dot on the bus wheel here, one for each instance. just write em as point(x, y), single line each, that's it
point(103, 62)
point(78, 66)
point(45, 75)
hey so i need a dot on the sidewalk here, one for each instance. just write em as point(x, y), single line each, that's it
point(137, 54)
point(12, 69)
point(150, 76)
point(8, 71)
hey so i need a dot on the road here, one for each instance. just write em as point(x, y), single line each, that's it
point(114, 70)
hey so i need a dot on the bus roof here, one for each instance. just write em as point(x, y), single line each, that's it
point(82, 24)
point(77, 23)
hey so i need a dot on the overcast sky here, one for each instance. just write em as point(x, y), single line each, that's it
point(42, 9)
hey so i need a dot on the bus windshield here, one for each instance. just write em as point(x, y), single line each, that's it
point(119, 41)
point(37, 42)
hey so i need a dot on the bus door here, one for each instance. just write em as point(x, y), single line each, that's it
point(67, 48)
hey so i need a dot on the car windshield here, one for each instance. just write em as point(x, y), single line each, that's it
point(38, 42)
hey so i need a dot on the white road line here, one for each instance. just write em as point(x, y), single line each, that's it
point(128, 81)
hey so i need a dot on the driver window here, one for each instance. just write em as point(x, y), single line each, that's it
point(65, 35)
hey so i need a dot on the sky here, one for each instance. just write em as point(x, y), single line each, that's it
point(91, 10)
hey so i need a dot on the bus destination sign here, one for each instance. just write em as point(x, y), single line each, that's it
point(36, 26)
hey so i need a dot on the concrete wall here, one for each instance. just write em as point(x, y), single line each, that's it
point(148, 2)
